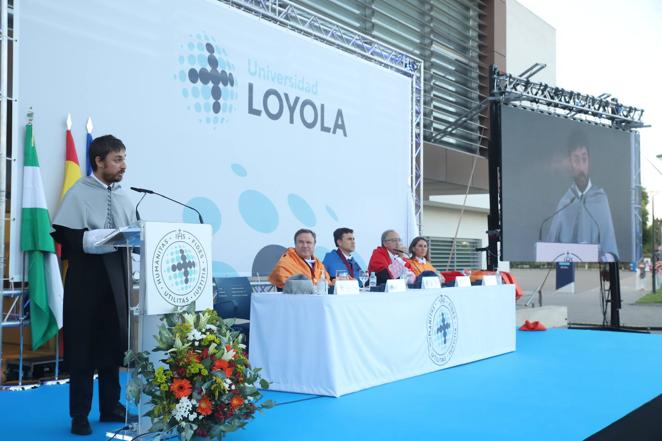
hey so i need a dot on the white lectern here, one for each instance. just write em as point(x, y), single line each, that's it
point(566, 252)
point(175, 271)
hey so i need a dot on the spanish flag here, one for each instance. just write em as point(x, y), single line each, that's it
point(71, 165)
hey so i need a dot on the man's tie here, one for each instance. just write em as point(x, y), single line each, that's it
point(110, 222)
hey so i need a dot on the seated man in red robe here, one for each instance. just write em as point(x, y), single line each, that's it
point(299, 260)
point(390, 261)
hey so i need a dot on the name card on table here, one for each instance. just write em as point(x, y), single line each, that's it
point(342, 287)
point(430, 283)
point(396, 285)
point(462, 281)
point(490, 280)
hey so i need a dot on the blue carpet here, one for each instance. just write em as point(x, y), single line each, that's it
point(559, 385)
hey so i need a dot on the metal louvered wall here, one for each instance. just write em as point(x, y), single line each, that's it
point(448, 35)
point(465, 257)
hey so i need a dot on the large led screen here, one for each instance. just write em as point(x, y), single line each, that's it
point(565, 182)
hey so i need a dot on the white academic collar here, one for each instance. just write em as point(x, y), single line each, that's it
point(581, 194)
point(310, 262)
point(347, 256)
point(394, 256)
point(421, 259)
point(112, 185)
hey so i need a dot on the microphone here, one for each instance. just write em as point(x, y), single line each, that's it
point(144, 190)
point(547, 219)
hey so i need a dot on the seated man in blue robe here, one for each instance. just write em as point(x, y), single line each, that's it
point(341, 258)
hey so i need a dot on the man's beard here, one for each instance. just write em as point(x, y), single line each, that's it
point(581, 181)
point(117, 177)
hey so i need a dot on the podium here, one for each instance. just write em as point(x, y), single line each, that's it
point(175, 271)
point(566, 252)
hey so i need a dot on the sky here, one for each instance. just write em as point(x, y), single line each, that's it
point(613, 46)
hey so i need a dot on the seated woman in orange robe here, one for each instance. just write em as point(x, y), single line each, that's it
point(419, 251)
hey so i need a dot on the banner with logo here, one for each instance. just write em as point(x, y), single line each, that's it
point(261, 129)
point(176, 267)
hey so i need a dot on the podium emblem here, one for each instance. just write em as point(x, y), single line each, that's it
point(442, 326)
point(179, 267)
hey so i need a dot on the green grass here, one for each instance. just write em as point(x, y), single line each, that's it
point(651, 297)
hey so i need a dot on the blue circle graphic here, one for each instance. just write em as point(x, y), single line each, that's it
point(239, 170)
point(331, 213)
point(209, 210)
point(301, 210)
point(320, 252)
point(258, 211)
point(357, 257)
point(222, 269)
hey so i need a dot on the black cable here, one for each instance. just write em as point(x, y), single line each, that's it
point(117, 432)
point(146, 434)
point(298, 401)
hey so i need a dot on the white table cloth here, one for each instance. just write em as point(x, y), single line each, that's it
point(334, 345)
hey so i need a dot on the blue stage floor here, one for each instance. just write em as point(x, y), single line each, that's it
point(559, 385)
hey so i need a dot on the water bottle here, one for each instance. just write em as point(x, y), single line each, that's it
point(322, 286)
point(372, 283)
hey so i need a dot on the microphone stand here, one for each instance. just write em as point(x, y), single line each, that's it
point(574, 198)
point(138, 213)
point(146, 191)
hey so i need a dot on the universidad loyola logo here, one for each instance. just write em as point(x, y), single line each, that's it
point(208, 80)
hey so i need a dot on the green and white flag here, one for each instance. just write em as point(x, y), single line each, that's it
point(44, 279)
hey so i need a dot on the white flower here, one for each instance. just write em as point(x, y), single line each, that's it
point(194, 335)
point(212, 327)
point(228, 355)
point(191, 417)
point(182, 409)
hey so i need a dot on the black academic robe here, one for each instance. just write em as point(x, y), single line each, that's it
point(95, 304)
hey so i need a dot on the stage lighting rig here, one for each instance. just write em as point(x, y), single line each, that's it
point(602, 109)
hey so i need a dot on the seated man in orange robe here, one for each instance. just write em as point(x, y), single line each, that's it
point(299, 260)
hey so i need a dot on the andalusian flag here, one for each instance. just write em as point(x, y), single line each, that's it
point(45, 283)
point(71, 164)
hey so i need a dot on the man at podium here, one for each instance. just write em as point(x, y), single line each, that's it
point(95, 302)
point(583, 215)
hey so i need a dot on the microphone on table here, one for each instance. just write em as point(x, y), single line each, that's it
point(146, 192)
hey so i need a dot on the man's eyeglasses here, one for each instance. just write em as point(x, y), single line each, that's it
point(394, 239)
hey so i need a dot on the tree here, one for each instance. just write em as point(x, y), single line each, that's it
point(646, 229)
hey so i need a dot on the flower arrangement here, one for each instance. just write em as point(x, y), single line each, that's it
point(206, 386)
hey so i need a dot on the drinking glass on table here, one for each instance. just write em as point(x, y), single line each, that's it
point(363, 277)
point(342, 275)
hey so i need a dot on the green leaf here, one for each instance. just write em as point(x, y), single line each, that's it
point(268, 404)
point(264, 384)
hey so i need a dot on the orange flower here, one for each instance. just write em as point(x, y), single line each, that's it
point(236, 401)
point(219, 364)
point(181, 387)
point(222, 364)
point(204, 406)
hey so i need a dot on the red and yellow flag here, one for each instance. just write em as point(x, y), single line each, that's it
point(71, 166)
